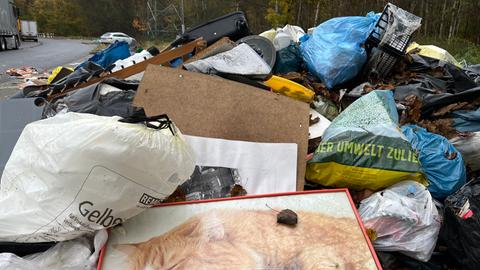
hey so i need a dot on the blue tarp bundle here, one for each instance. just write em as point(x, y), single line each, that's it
point(104, 58)
point(335, 52)
point(441, 162)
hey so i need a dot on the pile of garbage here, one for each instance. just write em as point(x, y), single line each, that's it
point(395, 122)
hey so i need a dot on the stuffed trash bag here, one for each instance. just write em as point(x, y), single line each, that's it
point(335, 52)
point(402, 218)
point(363, 148)
point(442, 163)
point(461, 225)
point(75, 173)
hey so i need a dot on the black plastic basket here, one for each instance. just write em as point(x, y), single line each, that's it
point(395, 46)
point(382, 58)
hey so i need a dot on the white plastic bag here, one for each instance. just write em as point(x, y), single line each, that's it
point(241, 60)
point(76, 173)
point(132, 60)
point(289, 33)
point(70, 255)
point(403, 218)
point(469, 146)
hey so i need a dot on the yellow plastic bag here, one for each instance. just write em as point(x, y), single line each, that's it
point(433, 51)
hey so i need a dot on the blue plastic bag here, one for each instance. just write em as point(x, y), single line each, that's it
point(467, 121)
point(116, 51)
point(334, 52)
point(441, 162)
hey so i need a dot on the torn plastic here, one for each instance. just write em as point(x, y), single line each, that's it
point(241, 60)
point(80, 75)
point(79, 254)
point(469, 146)
point(452, 86)
point(442, 163)
point(474, 72)
point(76, 173)
point(111, 97)
point(402, 218)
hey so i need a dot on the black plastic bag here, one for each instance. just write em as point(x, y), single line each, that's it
point(462, 234)
point(91, 100)
point(288, 59)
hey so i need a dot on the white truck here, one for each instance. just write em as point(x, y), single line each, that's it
point(28, 30)
point(9, 35)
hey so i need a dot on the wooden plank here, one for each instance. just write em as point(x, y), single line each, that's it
point(160, 59)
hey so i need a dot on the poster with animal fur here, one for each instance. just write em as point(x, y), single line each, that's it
point(320, 230)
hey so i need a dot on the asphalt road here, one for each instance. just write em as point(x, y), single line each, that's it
point(44, 55)
point(49, 54)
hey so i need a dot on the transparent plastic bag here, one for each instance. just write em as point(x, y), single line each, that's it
point(469, 146)
point(403, 218)
point(76, 173)
point(69, 255)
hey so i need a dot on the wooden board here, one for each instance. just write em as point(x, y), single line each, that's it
point(209, 106)
point(161, 59)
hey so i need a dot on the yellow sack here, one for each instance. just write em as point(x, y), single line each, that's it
point(363, 148)
point(433, 51)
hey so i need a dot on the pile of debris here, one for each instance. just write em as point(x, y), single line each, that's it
point(353, 103)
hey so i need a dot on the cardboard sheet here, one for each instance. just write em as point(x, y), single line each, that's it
point(316, 130)
point(209, 106)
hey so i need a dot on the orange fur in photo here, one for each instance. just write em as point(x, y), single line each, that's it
point(251, 239)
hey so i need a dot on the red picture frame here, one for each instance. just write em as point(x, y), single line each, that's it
point(352, 205)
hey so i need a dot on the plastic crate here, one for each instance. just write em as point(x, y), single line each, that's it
point(397, 44)
point(381, 63)
point(384, 56)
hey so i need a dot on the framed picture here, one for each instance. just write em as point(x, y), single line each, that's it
point(322, 230)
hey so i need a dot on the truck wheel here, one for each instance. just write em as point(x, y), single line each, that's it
point(3, 44)
point(17, 43)
point(36, 40)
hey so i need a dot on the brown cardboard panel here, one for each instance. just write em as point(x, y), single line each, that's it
point(208, 106)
